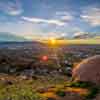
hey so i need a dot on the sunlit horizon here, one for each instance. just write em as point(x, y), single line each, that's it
point(44, 19)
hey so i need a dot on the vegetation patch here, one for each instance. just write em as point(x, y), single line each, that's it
point(92, 94)
point(93, 89)
point(81, 84)
point(60, 93)
point(15, 92)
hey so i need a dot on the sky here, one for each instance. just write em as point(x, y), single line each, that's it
point(39, 19)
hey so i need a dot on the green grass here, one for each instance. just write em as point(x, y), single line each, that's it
point(16, 92)
point(80, 84)
point(27, 89)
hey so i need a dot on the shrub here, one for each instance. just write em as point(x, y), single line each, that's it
point(93, 89)
point(92, 93)
point(81, 84)
point(60, 93)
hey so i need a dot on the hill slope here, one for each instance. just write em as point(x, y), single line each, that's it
point(5, 36)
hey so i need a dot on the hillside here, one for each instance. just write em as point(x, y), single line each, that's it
point(5, 36)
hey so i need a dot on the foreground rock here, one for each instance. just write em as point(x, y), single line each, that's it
point(88, 70)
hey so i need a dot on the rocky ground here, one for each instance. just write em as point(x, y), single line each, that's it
point(25, 76)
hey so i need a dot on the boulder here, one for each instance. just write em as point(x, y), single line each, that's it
point(88, 70)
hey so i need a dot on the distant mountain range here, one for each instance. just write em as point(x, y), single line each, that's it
point(5, 36)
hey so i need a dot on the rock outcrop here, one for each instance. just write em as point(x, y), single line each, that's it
point(88, 70)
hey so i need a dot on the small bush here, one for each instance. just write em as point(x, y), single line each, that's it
point(61, 93)
point(93, 92)
point(81, 84)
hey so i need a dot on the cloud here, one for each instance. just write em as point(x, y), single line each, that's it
point(92, 16)
point(79, 33)
point(64, 15)
point(82, 35)
point(59, 19)
point(11, 8)
point(47, 21)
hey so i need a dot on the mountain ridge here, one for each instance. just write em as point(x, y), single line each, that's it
point(7, 36)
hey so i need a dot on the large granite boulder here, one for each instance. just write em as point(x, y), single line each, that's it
point(88, 70)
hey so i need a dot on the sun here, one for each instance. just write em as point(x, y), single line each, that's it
point(52, 42)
